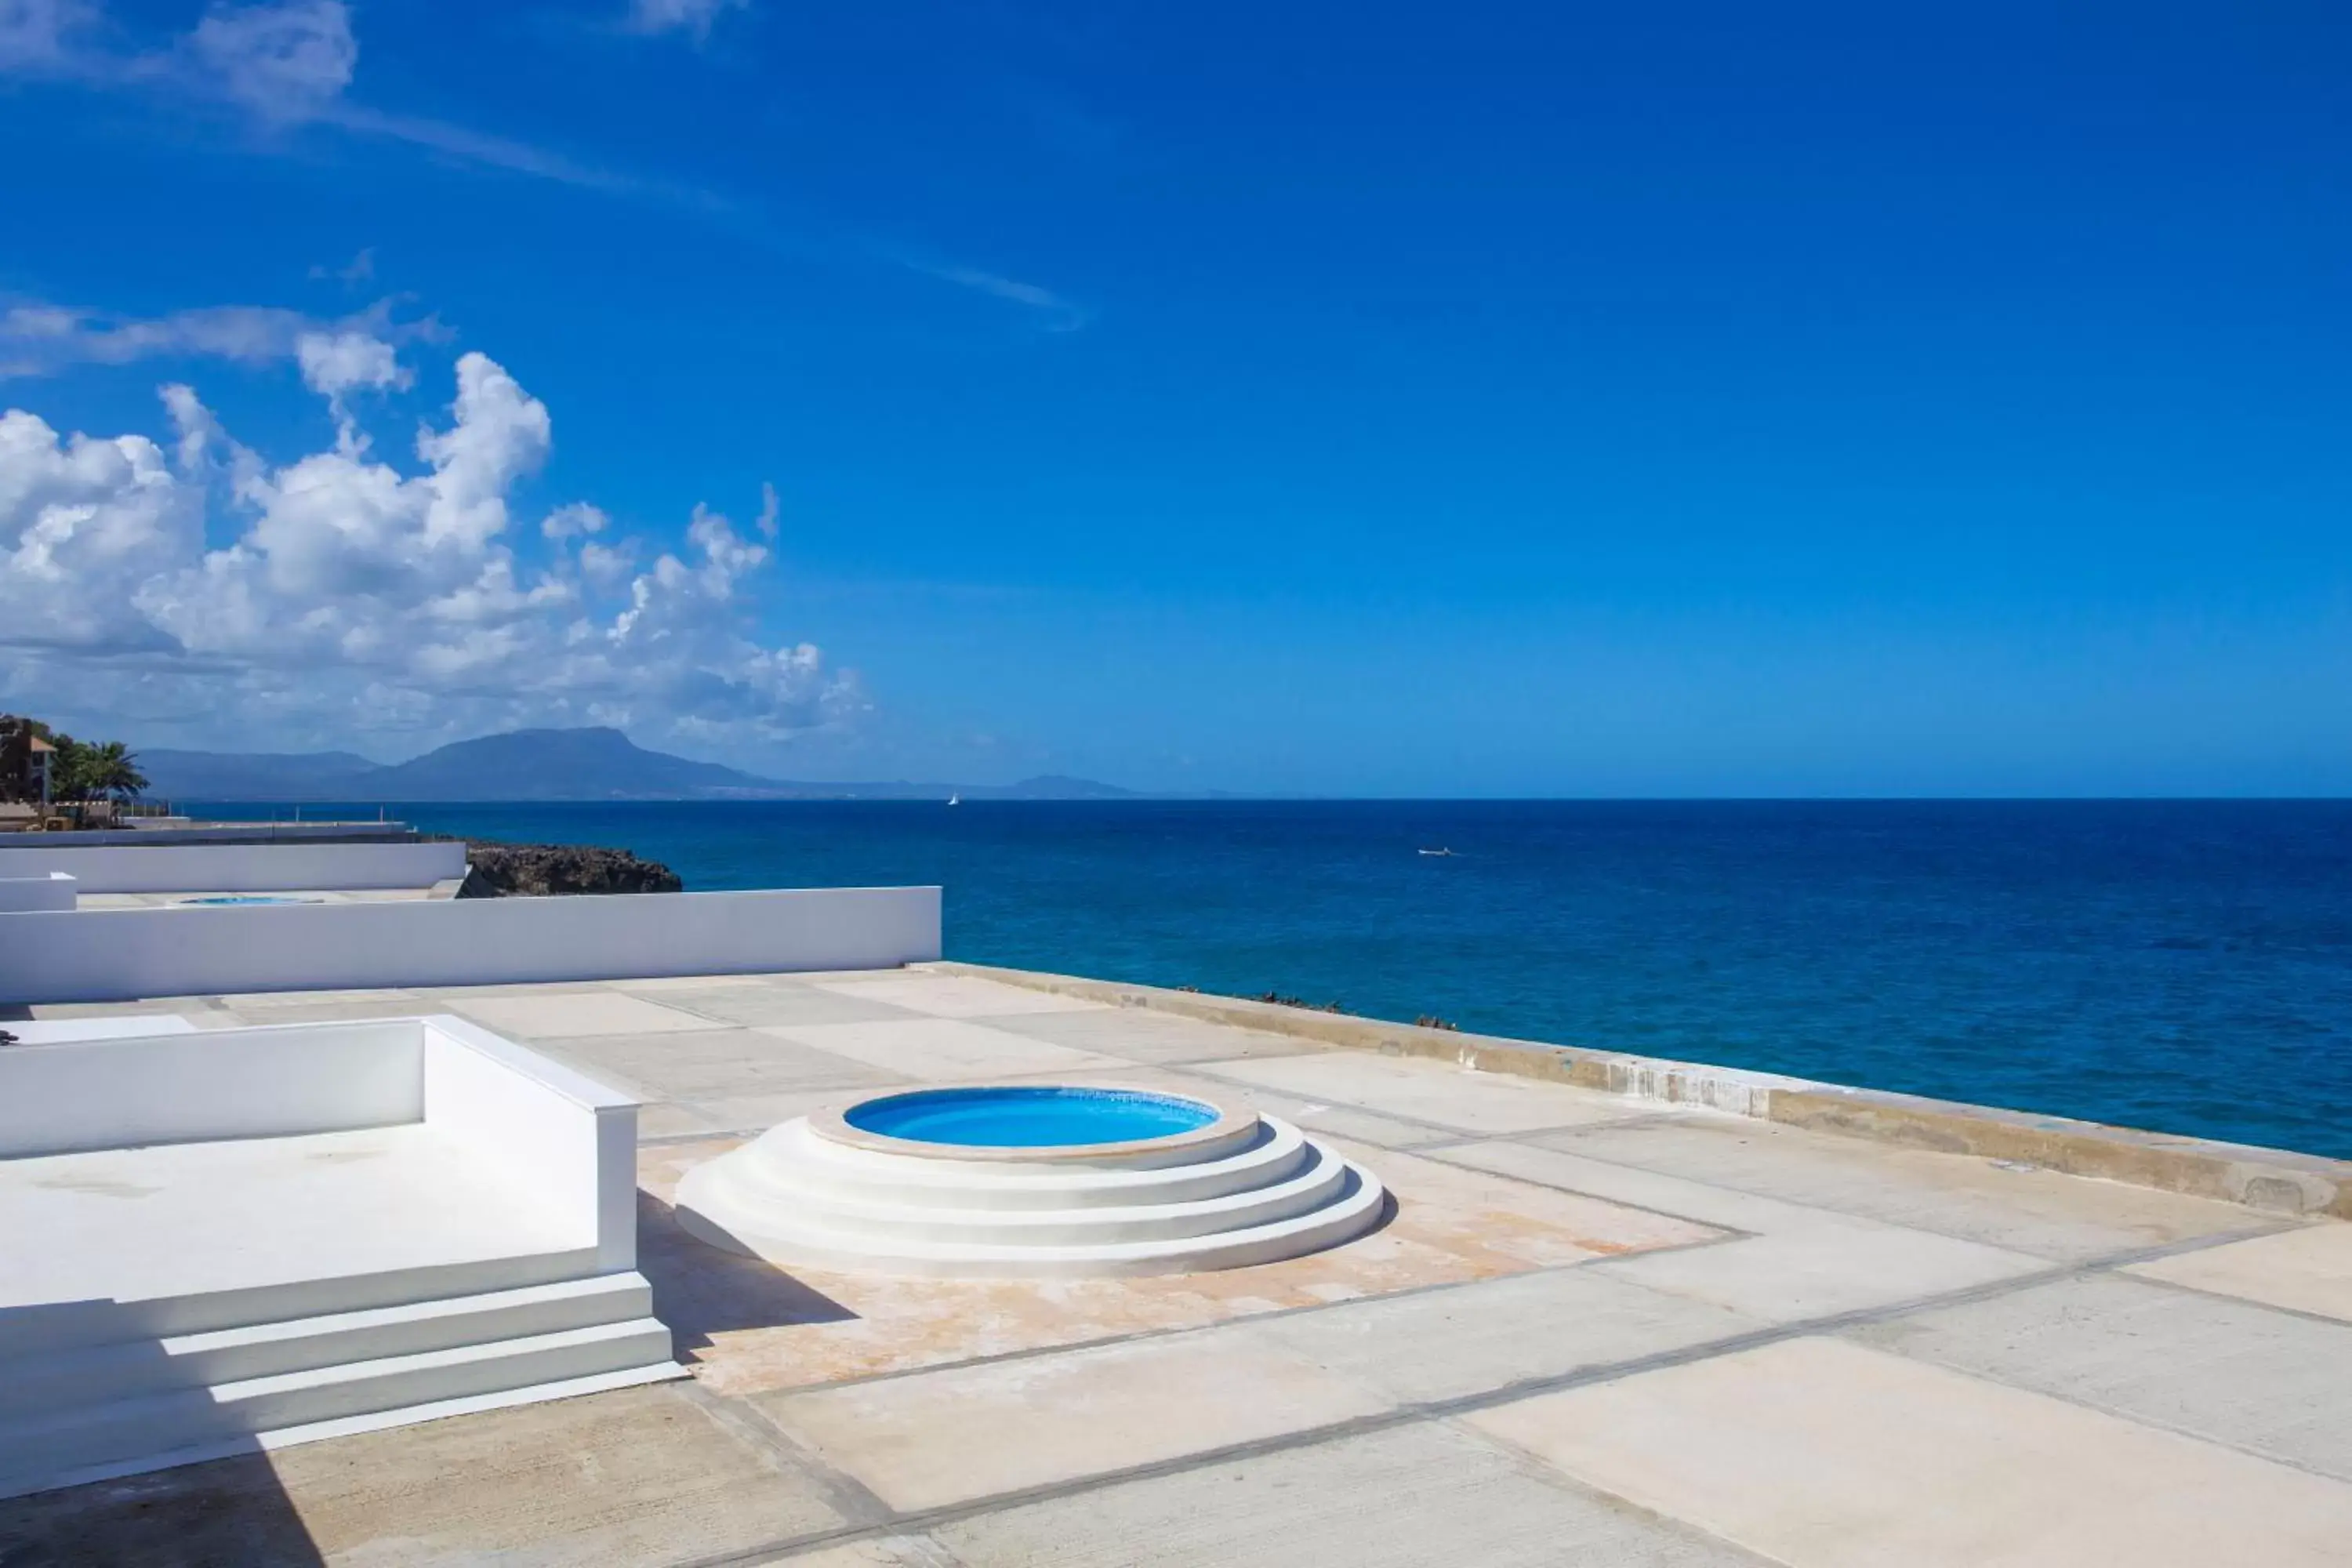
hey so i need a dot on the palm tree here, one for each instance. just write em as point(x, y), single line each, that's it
point(112, 769)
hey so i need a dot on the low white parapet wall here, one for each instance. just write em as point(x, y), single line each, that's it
point(44, 890)
point(113, 956)
point(238, 867)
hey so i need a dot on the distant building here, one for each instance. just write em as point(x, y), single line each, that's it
point(23, 761)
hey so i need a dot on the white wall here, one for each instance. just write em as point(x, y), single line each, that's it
point(49, 890)
point(238, 867)
point(551, 1129)
point(113, 956)
point(209, 1084)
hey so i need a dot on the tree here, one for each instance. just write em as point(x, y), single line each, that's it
point(111, 769)
point(80, 770)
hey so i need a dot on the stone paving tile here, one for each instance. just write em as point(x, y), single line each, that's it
point(717, 1061)
point(1836, 1265)
point(957, 995)
point(638, 1476)
point(2307, 1269)
point(570, 1014)
point(335, 1012)
point(944, 1050)
point(882, 1552)
point(961, 1432)
point(265, 999)
point(2273, 1383)
point(1803, 1262)
point(1429, 1090)
point(2045, 1212)
point(1410, 1497)
point(1820, 1454)
point(781, 1004)
point(773, 1328)
point(1475, 1338)
point(1138, 1035)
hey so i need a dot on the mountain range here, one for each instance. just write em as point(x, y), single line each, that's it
point(535, 764)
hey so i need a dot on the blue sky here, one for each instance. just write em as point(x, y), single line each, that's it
point(1310, 398)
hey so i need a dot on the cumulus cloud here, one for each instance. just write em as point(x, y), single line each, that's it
point(355, 596)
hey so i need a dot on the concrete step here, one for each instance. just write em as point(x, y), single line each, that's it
point(121, 1434)
point(33, 1385)
point(1354, 1206)
point(966, 1216)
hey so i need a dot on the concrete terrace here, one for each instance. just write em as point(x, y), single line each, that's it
point(1597, 1329)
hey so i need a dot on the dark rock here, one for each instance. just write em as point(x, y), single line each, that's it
point(537, 870)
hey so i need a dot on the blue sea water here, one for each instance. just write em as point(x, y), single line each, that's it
point(2180, 965)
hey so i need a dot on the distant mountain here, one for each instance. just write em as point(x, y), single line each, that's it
point(537, 764)
point(552, 765)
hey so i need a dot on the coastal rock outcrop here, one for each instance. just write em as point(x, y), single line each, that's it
point(536, 870)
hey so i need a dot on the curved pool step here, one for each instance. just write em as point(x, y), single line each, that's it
point(786, 1198)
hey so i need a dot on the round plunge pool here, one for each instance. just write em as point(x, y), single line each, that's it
point(1026, 1118)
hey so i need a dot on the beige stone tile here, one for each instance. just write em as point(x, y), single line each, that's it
point(881, 1552)
point(1803, 1262)
point(944, 1050)
point(1137, 1034)
point(957, 996)
point(1426, 1090)
point(2308, 1269)
point(1475, 1338)
point(656, 986)
point(2275, 1384)
point(761, 1005)
point(2072, 1218)
point(1833, 1265)
point(718, 1062)
point(744, 1113)
point(1504, 1223)
point(568, 1015)
point(335, 1012)
point(1424, 1496)
point(961, 1432)
point(257, 1000)
point(638, 1476)
point(1702, 1201)
point(1820, 1454)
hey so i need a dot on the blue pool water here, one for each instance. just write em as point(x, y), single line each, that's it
point(2183, 965)
point(247, 898)
point(1028, 1117)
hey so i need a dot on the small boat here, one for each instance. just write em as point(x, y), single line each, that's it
point(1437, 851)
point(955, 800)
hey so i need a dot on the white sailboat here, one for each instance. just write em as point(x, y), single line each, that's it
point(955, 800)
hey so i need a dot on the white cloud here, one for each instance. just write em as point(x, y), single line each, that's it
point(38, 35)
point(354, 598)
point(286, 62)
point(40, 338)
point(692, 16)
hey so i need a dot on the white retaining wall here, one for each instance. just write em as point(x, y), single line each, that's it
point(238, 867)
point(113, 956)
point(48, 891)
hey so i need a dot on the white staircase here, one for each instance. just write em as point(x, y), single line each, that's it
point(88, 1412)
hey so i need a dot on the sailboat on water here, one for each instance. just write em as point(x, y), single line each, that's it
point(954, 799)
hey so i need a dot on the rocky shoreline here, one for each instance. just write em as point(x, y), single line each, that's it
point(500, 870)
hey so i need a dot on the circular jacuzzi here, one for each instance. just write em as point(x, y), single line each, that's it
point(242, 899)
point(1026, 1117)
point(1025, 1181)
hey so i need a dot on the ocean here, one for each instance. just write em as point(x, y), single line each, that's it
point(2185, 966)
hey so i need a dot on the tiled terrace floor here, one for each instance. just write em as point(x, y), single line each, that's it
point(1594, 1331)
